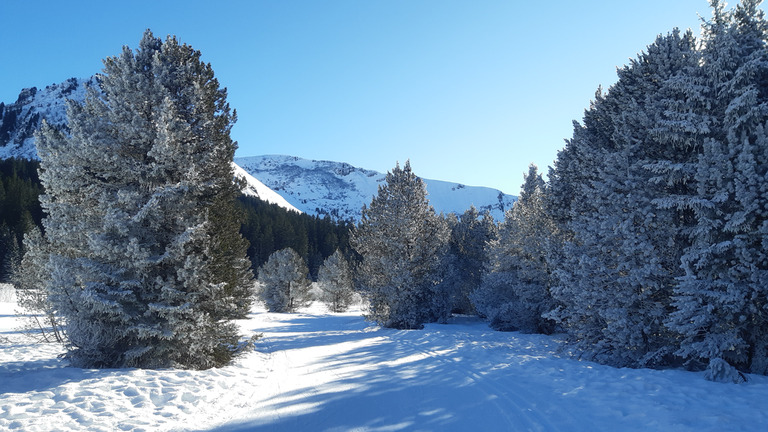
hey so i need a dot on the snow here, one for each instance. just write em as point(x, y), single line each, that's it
point(253, 187)
point(336, 372)
point(340, 189)
point(36, 104)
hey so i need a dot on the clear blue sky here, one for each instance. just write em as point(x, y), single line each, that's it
point(470, 91)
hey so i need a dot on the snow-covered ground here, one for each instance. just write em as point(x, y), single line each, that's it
point(316, 371)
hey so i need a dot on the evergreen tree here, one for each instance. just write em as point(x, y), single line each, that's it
point(336, 282)
point(31, 277)
point(533, 184)
point(285, 283)
point(722, 299)
point(470, 234)
point(514, 293)
point(146, 266)
point(402, 243)
point(619, 263)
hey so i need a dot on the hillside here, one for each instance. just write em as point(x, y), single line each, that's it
point(318, 188)
point(340, 190)
point(20, 119)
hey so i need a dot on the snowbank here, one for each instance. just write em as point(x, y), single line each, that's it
point(317, 371)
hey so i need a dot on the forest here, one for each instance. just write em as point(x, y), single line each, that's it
point(270, 228)
point(19, 209)
point(647, 246)
point(267, 227)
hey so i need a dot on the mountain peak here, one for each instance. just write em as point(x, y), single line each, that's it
point(20, 120)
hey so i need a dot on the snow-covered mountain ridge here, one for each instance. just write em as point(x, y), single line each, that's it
point(315, 187)
point(340, 190)
point(20, 119)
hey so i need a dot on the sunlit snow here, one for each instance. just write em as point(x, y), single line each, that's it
point(317, 371)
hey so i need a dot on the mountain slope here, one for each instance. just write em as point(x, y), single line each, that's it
point(253, 187)
point(19, 120)
point(318, 188)
point(340, 190)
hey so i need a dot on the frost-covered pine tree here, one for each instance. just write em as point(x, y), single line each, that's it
point(31, 278)
point(285, 283)
point(514, 293)
point(470, 233)
point(617, 269)
point(336, 282)
point(403, 243)
point(146, 266)
point(722, 300)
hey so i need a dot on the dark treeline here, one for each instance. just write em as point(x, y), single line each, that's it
point(267, 227)
point(19, 208)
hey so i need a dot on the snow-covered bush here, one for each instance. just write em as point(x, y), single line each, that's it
point(720, 371)
point(7, 293)
point(335, 282)
point(285, 282)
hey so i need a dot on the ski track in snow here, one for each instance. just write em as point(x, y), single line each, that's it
point(522, 416)
point(316, 371)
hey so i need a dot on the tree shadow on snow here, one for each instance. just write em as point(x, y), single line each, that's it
point(39, 375)
point(396, 383)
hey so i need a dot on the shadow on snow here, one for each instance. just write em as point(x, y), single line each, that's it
point(405, 380)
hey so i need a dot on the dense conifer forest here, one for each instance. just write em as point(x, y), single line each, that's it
point(267, 227)
point(19, 208)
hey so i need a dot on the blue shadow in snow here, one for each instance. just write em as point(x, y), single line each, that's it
point(392, 384)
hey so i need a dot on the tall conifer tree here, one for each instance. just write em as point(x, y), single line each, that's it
point(619, 263)
point(470, 234)
point(722, 300)
point(402, 243)
point(515, 288)
point(336, 282)
point(147, 268)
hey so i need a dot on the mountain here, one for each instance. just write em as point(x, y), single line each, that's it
point(340, 190)
point(253, 187)
point(19, 120)
point(319, 188)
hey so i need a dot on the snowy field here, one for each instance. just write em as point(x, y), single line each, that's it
point(316, 371)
